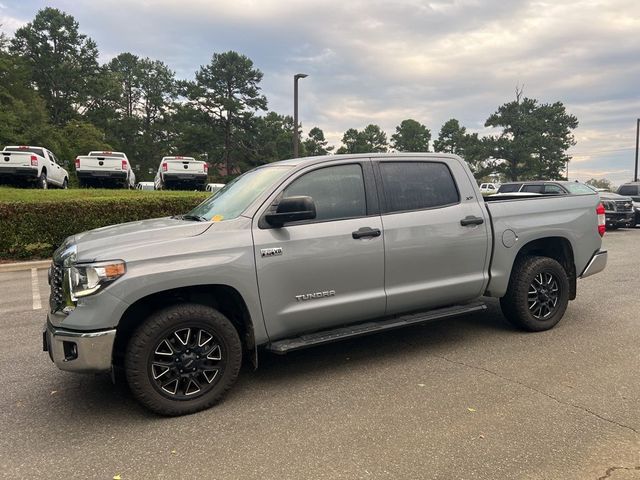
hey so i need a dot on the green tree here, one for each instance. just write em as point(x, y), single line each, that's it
point(316, 144)
point(601, 183)
point(63, 62)
point(370, 140)
point(227, 90)
point(451, 137)
point(534, 139)
point(411, 136)
point(24, 119)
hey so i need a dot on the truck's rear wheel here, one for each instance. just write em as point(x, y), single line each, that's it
point(183, 359)
point(42, 181)
point(538, 294)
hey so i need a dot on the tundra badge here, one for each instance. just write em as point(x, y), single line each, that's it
point(271, 252)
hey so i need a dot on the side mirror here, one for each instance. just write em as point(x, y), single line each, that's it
point(292, 209)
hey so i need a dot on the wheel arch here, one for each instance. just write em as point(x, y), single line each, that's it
point(558, 248)
point(224, 298)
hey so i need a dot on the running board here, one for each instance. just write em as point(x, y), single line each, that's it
point(360, 329)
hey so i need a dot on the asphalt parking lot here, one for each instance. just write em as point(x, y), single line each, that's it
point(470, 398)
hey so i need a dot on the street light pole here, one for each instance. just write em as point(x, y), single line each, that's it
point(296, 140)
point(635, 175)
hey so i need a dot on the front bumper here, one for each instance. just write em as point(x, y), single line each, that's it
point(88, 352)
point(621, 219)
point(596, 264)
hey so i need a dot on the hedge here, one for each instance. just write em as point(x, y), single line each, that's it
point(31, 230)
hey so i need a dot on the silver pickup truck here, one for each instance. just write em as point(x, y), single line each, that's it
point(305, 252)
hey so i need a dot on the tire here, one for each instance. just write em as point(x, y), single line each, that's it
point(542, 309)
point(65, 184)
point(158, 361)
point(42, 181)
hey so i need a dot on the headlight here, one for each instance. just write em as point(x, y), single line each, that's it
point(86, 279)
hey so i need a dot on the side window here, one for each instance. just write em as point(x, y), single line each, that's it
point(338, 192)
point(509, 188)
point(417, 185)
point(52, 157)
point(491, 187)
point(553, 189)
point(532, 188)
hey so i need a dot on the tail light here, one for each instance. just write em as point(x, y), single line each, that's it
point(124, 164)
point(206, 168)
point(602, 220)
point(77, 163)
point(34, 161)
point(164, 167)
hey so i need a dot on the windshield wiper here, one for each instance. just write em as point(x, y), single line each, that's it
point(197, 218)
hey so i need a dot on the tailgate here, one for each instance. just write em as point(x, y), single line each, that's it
point(16, 159)
point(105, 163)
point(184, 166)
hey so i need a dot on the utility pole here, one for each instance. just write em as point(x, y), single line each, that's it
point(635, 174)
point(296, 140)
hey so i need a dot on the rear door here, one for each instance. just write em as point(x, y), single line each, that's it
point(319, 273)
point(435, 231)
point(56, 173)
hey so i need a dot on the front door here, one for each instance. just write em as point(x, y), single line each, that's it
point(315, 274)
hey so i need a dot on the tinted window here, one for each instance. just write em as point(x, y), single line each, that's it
point(107, 154)
point(417, 185)
point(37, 151)
point(578, 188)
point(628, 190)
point(509, 188)
point(533, 188)
point(338, 192)
point(553, 189)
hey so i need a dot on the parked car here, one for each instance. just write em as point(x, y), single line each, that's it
point(35, 166)
point(214, 187)
point(619, 210)
point(184, 173)
point(101, 168)
point(145, 186)
point(632, 190)
point(543, 187)
point(489, 188)
point(305, 252)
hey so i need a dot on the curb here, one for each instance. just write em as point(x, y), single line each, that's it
point(19, 266)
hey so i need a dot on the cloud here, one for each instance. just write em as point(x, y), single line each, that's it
point(374, 61)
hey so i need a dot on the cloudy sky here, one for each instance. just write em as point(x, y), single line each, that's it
point(381, 62)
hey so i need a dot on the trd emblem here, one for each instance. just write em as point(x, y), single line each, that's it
point(271, 252)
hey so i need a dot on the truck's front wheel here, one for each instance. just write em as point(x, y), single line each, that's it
point(538, 294)
point(183, 359)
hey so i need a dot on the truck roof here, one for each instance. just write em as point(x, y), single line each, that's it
point(387, 156)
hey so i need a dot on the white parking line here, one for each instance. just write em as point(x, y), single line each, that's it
point(35, 289)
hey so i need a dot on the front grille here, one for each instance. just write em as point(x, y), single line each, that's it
point(56, 297)
point(624, 206)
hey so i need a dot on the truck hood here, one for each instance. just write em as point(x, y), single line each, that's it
point(110, 242)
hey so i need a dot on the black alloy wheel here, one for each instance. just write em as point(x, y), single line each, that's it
point(187, 363)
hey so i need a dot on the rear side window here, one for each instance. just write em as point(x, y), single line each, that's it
point(417, 185)
point(533, 188)
point(555, 189)
point(338, 192)
point(509, 188)
point(628, 190)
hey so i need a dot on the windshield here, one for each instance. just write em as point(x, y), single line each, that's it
point(230, 201)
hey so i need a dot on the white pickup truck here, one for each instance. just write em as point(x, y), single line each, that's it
point(33, 165)
point(181, 173)
point(100, 168)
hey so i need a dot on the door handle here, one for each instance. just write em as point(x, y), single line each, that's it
point(365, 232)
point(471, 220)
